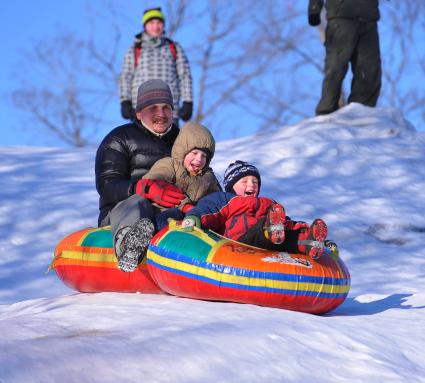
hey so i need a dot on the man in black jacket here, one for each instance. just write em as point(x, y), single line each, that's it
point(122, 159)
point(351, 37)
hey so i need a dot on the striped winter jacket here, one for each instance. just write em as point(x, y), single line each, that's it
point(229, 214)
point(156, 61)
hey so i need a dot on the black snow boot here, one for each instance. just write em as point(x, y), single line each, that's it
point(131, 243)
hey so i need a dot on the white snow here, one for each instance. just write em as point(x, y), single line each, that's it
point(361, 169)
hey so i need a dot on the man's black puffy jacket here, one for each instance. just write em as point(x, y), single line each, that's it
point(124, 156)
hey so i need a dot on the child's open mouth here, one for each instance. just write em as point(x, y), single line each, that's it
point(195, 168)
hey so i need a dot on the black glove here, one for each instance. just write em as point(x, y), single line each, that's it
point(127, 110)
point(314, 8)
point(314, 19)
point(185, 112)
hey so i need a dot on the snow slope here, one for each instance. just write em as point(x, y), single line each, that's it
point(361, 169)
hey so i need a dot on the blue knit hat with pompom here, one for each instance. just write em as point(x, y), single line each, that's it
point(237, 170)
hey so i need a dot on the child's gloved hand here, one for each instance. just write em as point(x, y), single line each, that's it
point(187, 207)
point(296, 225)
point(161, 192)
point(333, 248)
point(190, 221)
point(300, 225)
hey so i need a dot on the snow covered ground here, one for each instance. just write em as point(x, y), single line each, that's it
point(361, 169)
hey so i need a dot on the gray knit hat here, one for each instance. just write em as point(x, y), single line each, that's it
point(237, 170)
point(153, 92)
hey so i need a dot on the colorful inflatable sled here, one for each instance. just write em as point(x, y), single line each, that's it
point(203, 265)
point(85, 261)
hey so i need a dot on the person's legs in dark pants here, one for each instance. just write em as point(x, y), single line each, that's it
point(255, 237)
point(306, 239)
point(366, 66)
point(341, 41)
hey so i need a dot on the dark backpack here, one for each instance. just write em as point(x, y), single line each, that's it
point(138, 49)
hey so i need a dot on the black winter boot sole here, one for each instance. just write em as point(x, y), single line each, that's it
point(133, 246)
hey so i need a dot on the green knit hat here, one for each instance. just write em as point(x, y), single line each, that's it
point(153, 13)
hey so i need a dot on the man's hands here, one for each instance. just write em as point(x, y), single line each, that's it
point(314, 9)
point(185, 112)
point(127, 110)
point(160, 192)
point(314, 19)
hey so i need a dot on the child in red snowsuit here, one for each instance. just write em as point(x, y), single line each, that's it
point(239, 214)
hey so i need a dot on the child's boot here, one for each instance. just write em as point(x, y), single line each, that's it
point(274, 229)
point(311, 240)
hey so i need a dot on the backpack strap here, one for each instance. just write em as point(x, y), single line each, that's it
point(173, 48)
point(138, 50)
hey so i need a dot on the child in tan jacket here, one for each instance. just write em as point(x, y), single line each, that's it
point(188, 167)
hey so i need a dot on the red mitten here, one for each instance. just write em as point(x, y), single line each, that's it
point(160, 192)
point(296, 225)
point(187, 207)
point(300, 225)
